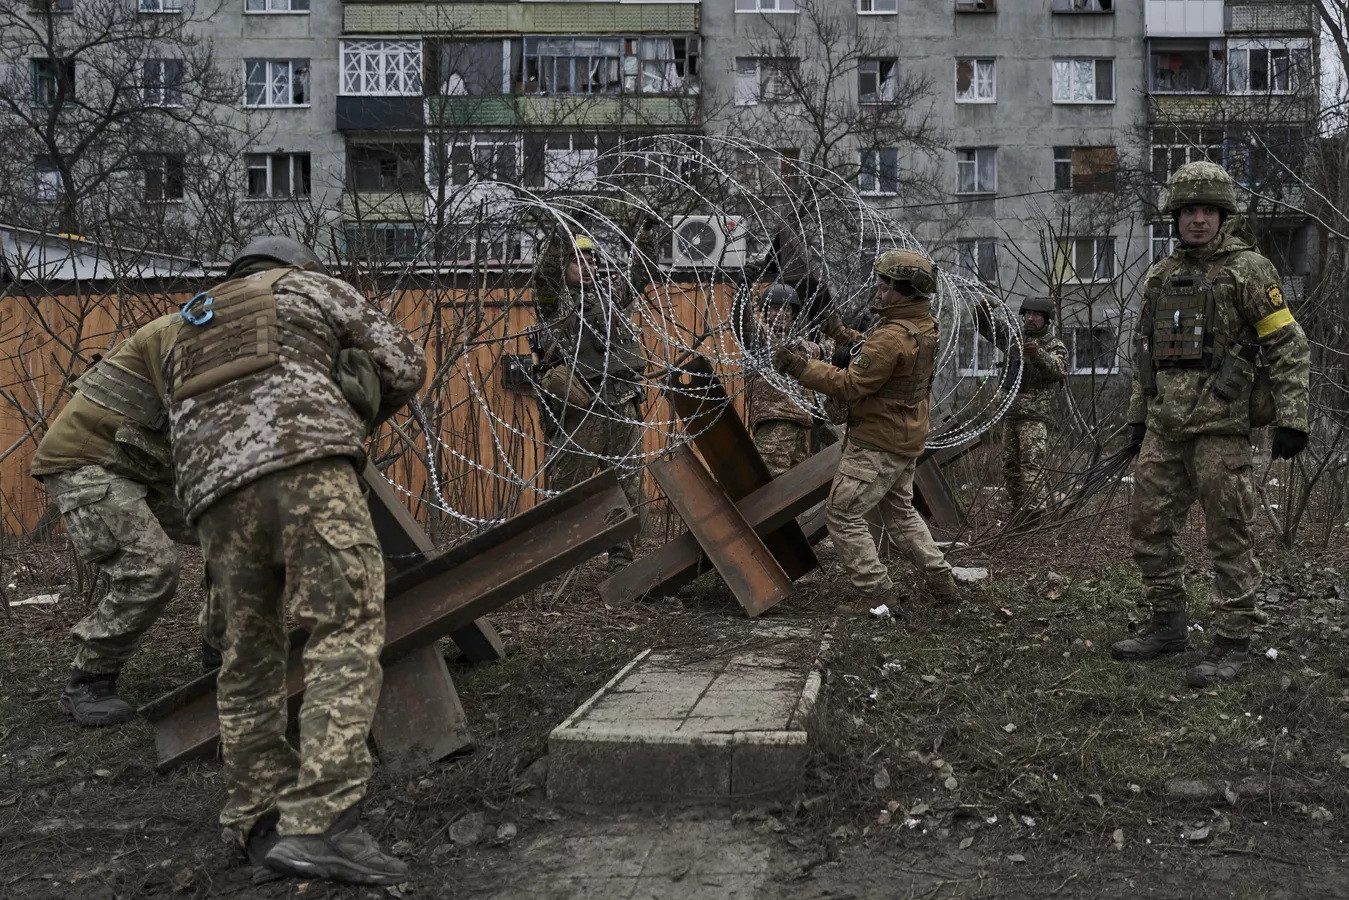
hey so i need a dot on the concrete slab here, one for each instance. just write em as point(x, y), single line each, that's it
point(672, 728)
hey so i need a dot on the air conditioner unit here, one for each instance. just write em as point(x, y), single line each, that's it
point(706, 241)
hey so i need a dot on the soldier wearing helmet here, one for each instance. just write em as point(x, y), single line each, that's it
point(1026, 430)
point(780, 426)
point(888, 391)
point(1214, 322)
point(276, 379)
point(590, 366)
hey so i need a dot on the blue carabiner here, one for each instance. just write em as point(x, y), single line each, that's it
point(198, 317)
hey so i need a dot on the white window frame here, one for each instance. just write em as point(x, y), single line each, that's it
point(766, 7)
point(887, 85)
point(47, 184)
point(1074, 332)
point(160, 6)
point(969, 250)
point(272, 69)
point(159, 163)
point(984, 72)
point(276, 7)
point(962, 164)
point(1298, 51)
point(769, 171)
point(1161, 240)
point(870, 7)
point(1102, 248)
point(872, 172)
point(1188, 152)
point(161, 92)
point(766, 70)
point(479, 142)
point(1063, 68)
point(296, 172)
point(583, 149)
point(380, 67)
point(976, 356)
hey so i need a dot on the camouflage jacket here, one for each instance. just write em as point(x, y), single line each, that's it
point(292, 411)
point(1042, 374)
point(87, 432)
point(1249, 308)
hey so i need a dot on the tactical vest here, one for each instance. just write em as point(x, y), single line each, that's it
point(914, 387)
point(125, 393)
point(1184, 331)
point(235, 332)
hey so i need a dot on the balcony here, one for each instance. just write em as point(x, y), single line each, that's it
point(383, 206)
point(1183, 18)
point(380, 114)
point(570, 111)
point(521, 18)
point(1172, 108)
point(1270, 18)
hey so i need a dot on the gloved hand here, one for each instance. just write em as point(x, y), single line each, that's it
point(842, 357)
point(358, 379)
point(1136, 432)
point(1288, 442)
point(835, 328)
point(789, 361)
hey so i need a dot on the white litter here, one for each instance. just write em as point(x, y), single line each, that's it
point(969, 574)
point(39, 600)
point(881, 612)
point(1271, 653)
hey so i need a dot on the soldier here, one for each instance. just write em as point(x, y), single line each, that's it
point(780, 427)
point(590, 369)
point(277, 377)
point(1210, 311)
point(1026, 443)
point(888, 391)
point(105, 463)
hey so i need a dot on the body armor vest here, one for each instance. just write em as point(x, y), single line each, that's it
point(125, 393)
point(914, 387)
point(1184, 323)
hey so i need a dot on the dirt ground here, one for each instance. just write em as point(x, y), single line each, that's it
point(993, 752)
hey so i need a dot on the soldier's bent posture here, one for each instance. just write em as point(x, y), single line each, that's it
point(1025, 446)
point(780, 427)
point(276, 379)
point(105, 463)
point(888, 391)
point(1211, 311)
point(590, 369)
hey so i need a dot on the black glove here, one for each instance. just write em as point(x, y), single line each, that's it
point(1136, 432)
point(1288, 442)
point(843, 355)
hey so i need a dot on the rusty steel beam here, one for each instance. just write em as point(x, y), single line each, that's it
point(419, 718)
point(447, 591)
point(766, 510)
point(749, 570)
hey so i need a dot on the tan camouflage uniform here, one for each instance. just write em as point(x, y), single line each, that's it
point(111, 478)
point(269, 446)
point(780, 427)
point(1198, 445)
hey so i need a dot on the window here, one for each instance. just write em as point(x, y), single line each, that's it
point(772, 172)
point(1163, 240)
point(974, 355)
point(1184, 68)
point(1084, 6)
point(1173, 148)
point(878, 171)
point(976, 5)
point(381, 68)
point(763, 79)
point(609, 65)
point(978, 258)
point(52, 5)
point(386, 240)
point(877, 81)
point(977, 170)
point(48, 185)
point(276, 6)
point(160, 6)
point(877, 7)
point(382, 169)
point(662, 65)
point(1260, 157)
point(1085, 259)
point(163, 80)
point(568, 161)
point(1085, 169)
point(276, 82)
point(486, 157)
point(766, 6)
point(53, 81)
point(273, 176)
point(1084, 81)
point(163, 176)
point(975, 81)
point(1092, 348)
point(1267, 67)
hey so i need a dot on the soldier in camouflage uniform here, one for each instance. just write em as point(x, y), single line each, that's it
point(1212, 314)
point(780, 427)
point(888, 391)
point(1026, 427)
point(590, 369)
point(105, 463)
point(277, 378)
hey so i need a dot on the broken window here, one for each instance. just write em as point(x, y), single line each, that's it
point(1085, 169)
point(385, 168)
point(1084, 81)
point(877, 81)
point(975, 81)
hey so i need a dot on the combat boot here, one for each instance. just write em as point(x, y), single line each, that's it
point(262, 837)
point(1165, 634)
point(91, 700)
point(345, 853)
point(943, 588)
point(1227, 660)
point(210, 658)
point(892, 597)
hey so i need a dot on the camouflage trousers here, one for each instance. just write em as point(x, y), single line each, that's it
point(580, 437)
point(874, 479)
point(782, 444)
point(1168, 477)
point(1025, 447)
point(126, 530)
point(300, 541)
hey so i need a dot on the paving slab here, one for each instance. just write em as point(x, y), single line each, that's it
point(674, 727)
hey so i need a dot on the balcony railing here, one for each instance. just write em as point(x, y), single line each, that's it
point(521, 18)
point(564, 110)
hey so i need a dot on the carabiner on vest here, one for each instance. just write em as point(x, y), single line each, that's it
point(198, 317)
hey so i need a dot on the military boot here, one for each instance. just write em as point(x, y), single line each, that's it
point(262, 837)
point(1166, 633)
point(943, 587)
point(345, 852)
point(210, 658)
point(91, 699)
point(1227, 660)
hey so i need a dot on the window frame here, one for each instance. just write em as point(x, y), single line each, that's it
point(288, 11)
point(62, 72)
point(763, 75)
point(47, 190)
point(975, 80)
point(474, 142)
point(1163, 233)
point(415, 160)
point(882, 74)
point(1202, 46)
point(268, 80)
point(583, 175)
point(1094, 62)
point(972, 349)
point(1292, 47)
point(1099, 243)
point(409, 73)
point(877, 12)
point(293, 162)
point(162, 7)
point(367, 230)
point(163, 93)
point(876, 172)
point(756, 7)
point(972, 249)
point(1074, 333)
point(976, 190)
point(163, 165)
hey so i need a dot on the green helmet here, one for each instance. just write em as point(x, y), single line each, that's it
point(1201, 182)
point(910, 266)
point(275, 248)
point(1040, 305)
point(779, 294)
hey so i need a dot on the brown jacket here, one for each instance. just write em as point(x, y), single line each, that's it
point(888, 386)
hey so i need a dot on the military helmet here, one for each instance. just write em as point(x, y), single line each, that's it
point(1201, 182)
point(910, 266)
point(281, 250)
point(779, 294)
point(1040, 305)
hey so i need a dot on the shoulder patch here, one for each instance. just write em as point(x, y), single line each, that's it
point(1274, 294)
point(861, 361)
